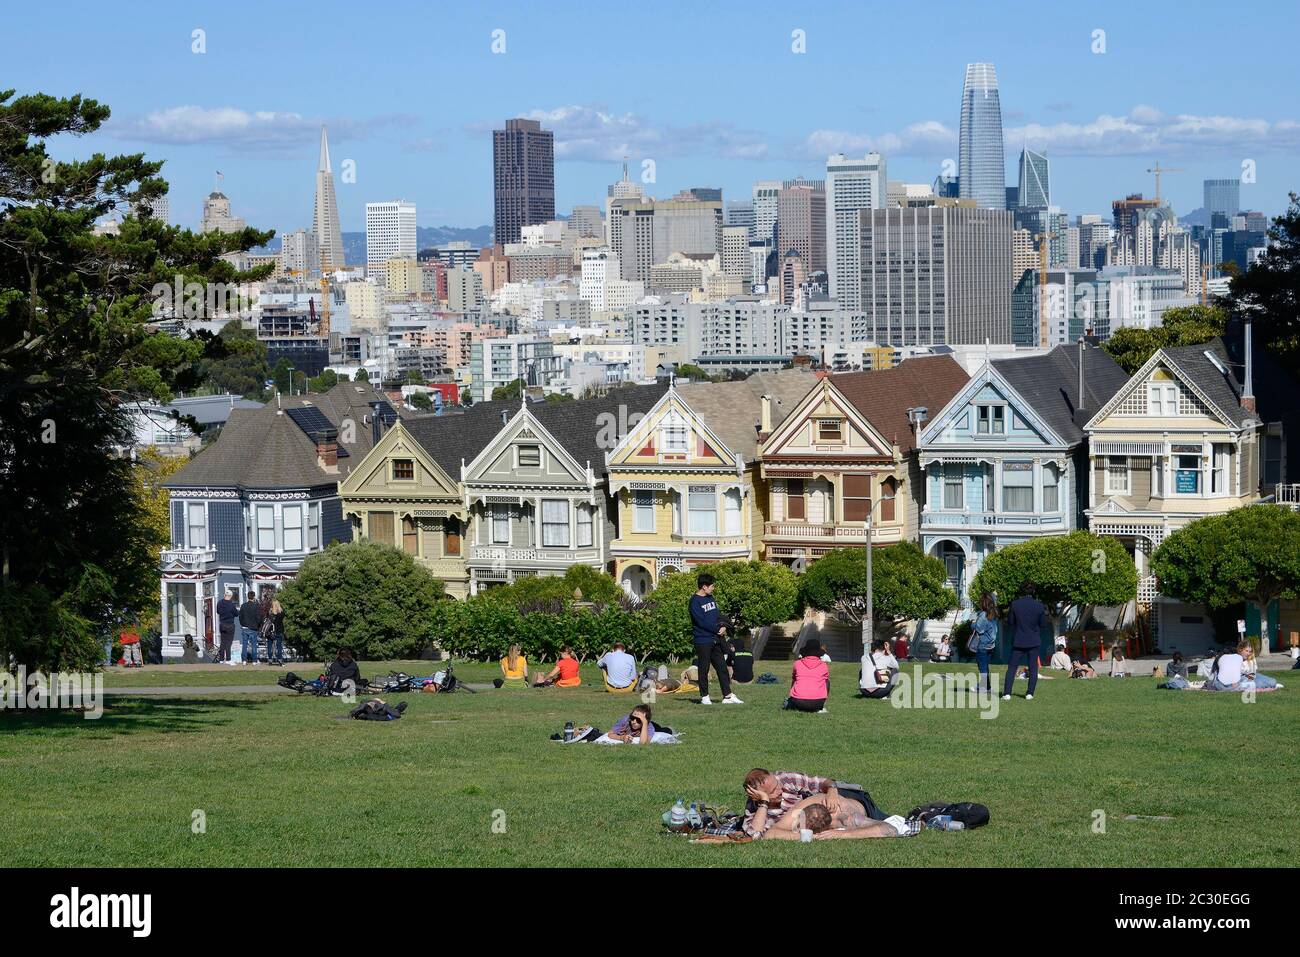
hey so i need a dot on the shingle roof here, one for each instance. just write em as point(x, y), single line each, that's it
point(885, 395)
point(1223, 390)
point(264, 448)
point(732, 410)
point(1049, 384)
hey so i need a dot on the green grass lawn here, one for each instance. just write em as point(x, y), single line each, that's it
point(283, 783)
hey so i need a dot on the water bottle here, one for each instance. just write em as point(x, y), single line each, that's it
point(677, 817)
point(944, 822)
point(568, 731)
point(694, 818)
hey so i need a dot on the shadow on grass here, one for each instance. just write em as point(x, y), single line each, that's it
point(124, 715)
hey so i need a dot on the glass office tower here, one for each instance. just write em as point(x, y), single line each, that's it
point(981, 165)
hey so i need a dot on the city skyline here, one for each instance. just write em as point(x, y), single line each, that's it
point(1059, 95)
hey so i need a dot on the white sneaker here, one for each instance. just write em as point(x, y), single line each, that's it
point(732, 699)
point(823, 711)
point(1029, 697)
point(705, 700)
point(1006, 697)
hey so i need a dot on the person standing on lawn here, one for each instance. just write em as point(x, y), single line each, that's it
point(709, 635)
point(1027, 618)
point(250, 621)
point(227, 612)
point(986, 638)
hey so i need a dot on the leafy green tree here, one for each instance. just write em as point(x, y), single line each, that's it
point(509, 392)
point(421, 401)
point(78, 343)
point(1269, 291)
point(1249, 554)
point(361, 376)
point(413, 377)
point(372, 597)
point(241, 367)
point(324, 382)
point(559, 397)
point(1079, 570)
point(752, 594)
point(907, 585)
point(1131, 347)
point(281, 374)
point(688, 370)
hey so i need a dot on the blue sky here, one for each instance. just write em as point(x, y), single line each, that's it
point(711, 91)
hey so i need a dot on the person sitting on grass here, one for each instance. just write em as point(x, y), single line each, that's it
point(563, 675)
point(343, 669)
point(1226, 672)
point(1176, 666)
point(634, 727)
point(1061, 658)
point(772, 794)
point(944, 651)
point(514, 666)
point(902, 649)
point(740, 660)
point(879, 678)
point(1250, 668)
point(1081, 669)
point(619, 667)
point(810, 680)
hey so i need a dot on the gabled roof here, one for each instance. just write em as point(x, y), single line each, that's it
point(732, 410)
point(1049, 385)
point(885, 395)
point(265, 448)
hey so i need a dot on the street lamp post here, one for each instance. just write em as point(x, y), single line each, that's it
point(868, 619)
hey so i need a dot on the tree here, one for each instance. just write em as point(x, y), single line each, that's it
point(281, 374)
point(559, 397)
point(509, 392)
point(907, 584)
point(688, 370)
point(1079, 570)
point(242, 366)
point(151, 472)
point(361, 376)
point(1269, 291)
point(371, 597)
point(324, 382)
point(413, 377)
point(78, 343)
point(1249, 554)
point(421, 401)
point(751, 594)
point(1131, 347)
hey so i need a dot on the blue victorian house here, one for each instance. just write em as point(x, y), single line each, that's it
point(251, 506)
point(1005, 459)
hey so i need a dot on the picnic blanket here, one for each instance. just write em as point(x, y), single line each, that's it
point(659, 737)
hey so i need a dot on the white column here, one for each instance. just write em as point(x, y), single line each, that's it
point(163, 619)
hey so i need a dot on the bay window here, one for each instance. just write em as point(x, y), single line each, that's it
point(702, 510)
point(265, 528)
point(196, 520)
point(1051, 489)
point(952, 487)
point(500, 522)
point(291, 517)
point(555, 523)
point(677, 512)
point(795, 504)
point(1219, 483)
point(857, 498)
point(313, 526)
point(1117, 479)
point(731, 514)
point(643, 511)
point(1187, 474)
point(586, 526)
point(1018, 487)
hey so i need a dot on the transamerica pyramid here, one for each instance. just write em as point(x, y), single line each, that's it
point(325, 221)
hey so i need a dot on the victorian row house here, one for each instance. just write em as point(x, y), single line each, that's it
point(249, 508)
point(1005, 458)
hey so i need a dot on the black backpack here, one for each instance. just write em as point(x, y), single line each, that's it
point(970, 815)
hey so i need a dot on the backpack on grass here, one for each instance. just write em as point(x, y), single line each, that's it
point(971, 815)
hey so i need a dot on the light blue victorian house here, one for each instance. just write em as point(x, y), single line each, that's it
point(1005, 459)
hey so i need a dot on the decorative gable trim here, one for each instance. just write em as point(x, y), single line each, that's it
point(354, 485)
point(522, 425)
point(1140, 379)
point(988, 376)
point(823, 400)
point(640, 439)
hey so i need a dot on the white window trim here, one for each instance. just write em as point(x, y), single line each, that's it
point(638, 510)
point(190, 526)
point(566, 525)
point(690, 512)
point(586, 526)
point(494, 510)
point(520, 465)
point(258, 529)
point(1111, 487)
point(301, 527)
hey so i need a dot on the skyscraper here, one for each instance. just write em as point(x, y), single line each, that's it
point(801, 222)
point(523, 178)
point(852, 185)
point(1222, 196)
point(390, 233)
point(981, 163)
point(325, 219)
point(1035, 184)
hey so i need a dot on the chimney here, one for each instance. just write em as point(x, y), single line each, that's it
point(327, 449)
point(765, 420)
point(1082, 347)
point(1248, 393)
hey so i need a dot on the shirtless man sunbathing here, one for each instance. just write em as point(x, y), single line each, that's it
point(833, 817)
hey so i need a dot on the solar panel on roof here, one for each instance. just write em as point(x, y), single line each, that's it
point(312, 421)
point(386, 412)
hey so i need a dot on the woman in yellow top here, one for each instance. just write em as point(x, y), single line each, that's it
point(514, 665)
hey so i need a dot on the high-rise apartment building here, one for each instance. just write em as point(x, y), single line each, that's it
point(938, 274)
point(390, 234)
point(1035, 182)
point(586, 222)
point(801, 222)
point(981, 162)
point(325, 215)
point(765, 209)
point(852, 185)
point(523, 178)
point(735, 252)
point(299, 254)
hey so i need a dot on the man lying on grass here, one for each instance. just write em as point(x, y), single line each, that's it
point(776, 800)
point(831, 817)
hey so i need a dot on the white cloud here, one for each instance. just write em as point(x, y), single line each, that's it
point(1147, 130)
point(239, 129)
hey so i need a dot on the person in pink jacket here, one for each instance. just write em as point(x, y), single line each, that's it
point(810, 680)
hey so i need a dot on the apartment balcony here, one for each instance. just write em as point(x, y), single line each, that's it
point(189, 559)
point(507, 555)
point(992, 521)
point(829, 534)
point(1289, 495)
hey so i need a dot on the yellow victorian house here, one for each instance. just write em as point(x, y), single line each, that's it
point(683, 477)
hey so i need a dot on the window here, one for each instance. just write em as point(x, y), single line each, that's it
point(677, 512)
point(380, 525)
point(1162, 399)
point(990, 419)
point(1219, 477)
point(313, 526)
point(702, 510)
point(555, 523)
point(643, 511)
point(1272, 468)
point(248, 529)
point(888, 490)
point(795, 509)
point(857, 498)
point(530, 456)
point(291, 517)
point(1187, 474)
point(952, 487)
point(197, 525)
point(1117, 481)
point(731, 513)
point(988, 505)
point(451, 536)
point(182, 609)
point(1051, 489)
point(1017, 486)
point(830, 430)
point(586, 526)
point(265, 528)
point(403, 470)
point(500, 524)
point(674, 434)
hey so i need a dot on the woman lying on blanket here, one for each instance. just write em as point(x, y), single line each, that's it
point(637, 728)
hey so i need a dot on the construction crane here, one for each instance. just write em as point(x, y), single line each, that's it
point(325, 304)
point(1043, 239)
point(1158, 169)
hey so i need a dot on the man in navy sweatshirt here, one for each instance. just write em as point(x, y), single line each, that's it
point(1027, 618)
point(709, 635)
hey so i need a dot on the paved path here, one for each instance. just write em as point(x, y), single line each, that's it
point(181, 691)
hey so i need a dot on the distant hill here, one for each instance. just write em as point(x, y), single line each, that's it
point(1197, 217)
point(426, 237)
